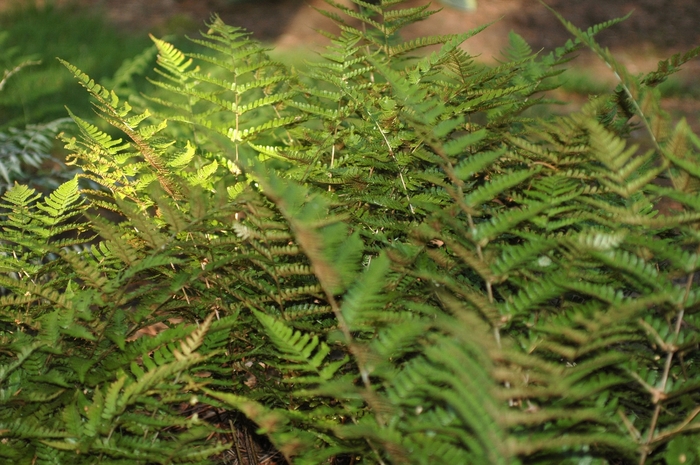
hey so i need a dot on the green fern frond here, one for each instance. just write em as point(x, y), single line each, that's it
point(21, 429)
point(456, 146)
point(365, 295)
point(499, 184)
point(88, 272)
point(116, 244)
point(20, 196)
point(306, 352)
point(667, 67)
point(172, 59)
point(383, 259)
point(518, 49)
point(103, 95)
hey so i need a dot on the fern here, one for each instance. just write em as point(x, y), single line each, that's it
point(239, 109)
point(383, 260)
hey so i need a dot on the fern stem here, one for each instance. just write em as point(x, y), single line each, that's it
point(335, 135)
point(8, 73)
point(641, 114)
point(682, 428)
point(634, 432)
point(391, 154)
point(671, 350)
point(317, 155)
point(367, 49)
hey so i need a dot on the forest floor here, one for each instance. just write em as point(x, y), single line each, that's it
point(656, 29)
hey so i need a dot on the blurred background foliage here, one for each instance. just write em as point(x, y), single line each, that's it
point(37, 88)
point(38, 33)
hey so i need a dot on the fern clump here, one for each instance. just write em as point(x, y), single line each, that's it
point(387, 259)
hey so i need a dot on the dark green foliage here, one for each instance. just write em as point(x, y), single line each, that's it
point(34, 87)
point(383, 261)
point(41, 31)
point(24, 152)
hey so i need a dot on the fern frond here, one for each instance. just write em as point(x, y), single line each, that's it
point(667, 67)
point(499, 184)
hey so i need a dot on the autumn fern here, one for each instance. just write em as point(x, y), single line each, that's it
point(386, 259)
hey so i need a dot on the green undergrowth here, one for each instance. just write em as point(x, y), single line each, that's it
point(35, 87)
point(42, 33)
point(387, 258)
